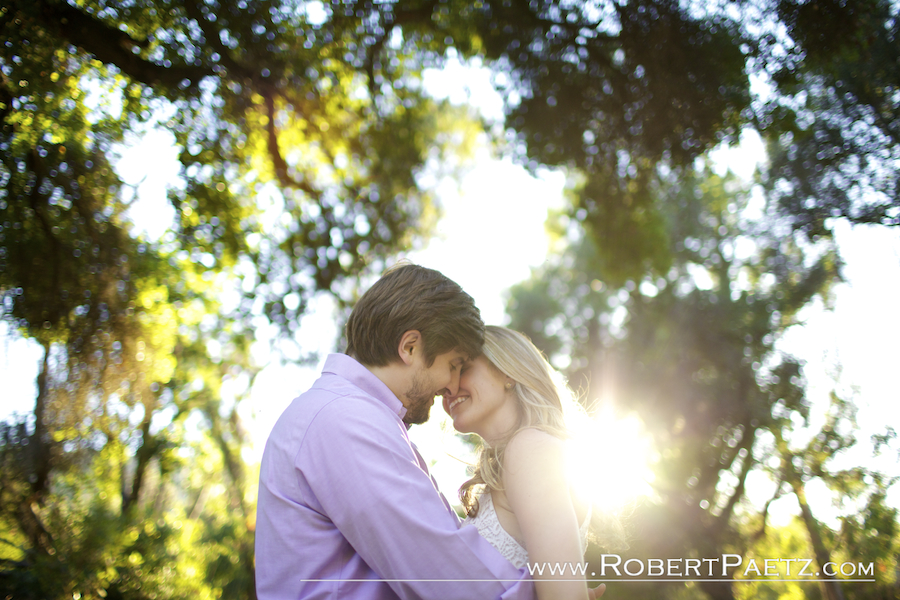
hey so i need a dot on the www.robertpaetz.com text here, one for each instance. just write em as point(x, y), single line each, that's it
point(725, 566)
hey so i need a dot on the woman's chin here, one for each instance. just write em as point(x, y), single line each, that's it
point(463, 429)
point(460, 426)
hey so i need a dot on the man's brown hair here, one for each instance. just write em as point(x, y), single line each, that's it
point(411, 297)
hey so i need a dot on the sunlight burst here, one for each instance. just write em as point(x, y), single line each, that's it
point(609, 460)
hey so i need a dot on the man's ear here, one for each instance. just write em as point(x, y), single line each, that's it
point(410, 346)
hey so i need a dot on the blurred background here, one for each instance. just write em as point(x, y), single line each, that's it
point(691, 207)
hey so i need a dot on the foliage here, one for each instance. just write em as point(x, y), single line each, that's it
point(302, 130)
point(868, 529)
point(832, 126)
point(139, 334)
point(792, 540)
point(787, 541)
point(693, 353)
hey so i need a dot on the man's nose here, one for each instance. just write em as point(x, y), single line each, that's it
point(453, 387)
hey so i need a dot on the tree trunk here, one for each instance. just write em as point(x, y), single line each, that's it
point(40, 467)
point(831, 589)
point(38, 471)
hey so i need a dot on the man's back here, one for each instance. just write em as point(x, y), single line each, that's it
point(347, 509)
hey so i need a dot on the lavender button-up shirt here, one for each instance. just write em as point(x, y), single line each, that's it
point(347, 508)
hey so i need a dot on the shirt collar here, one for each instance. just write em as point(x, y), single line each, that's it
point(353, 371)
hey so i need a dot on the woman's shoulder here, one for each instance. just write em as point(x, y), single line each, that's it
point(535, 475)
point(531, 437)
point(533, 447)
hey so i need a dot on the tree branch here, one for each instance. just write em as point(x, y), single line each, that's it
point(738, 493)
point(212, 38)
point(149, 447)
point(765, 511)
point(373, 51)
point(278, 162)
point(114, 47)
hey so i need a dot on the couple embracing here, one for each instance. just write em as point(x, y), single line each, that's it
point(347, 507)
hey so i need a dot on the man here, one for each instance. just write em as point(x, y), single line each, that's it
point(347, 508)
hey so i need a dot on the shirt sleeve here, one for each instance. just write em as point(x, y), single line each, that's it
point(358, 464)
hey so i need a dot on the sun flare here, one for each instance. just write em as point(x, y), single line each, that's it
point(609, 460)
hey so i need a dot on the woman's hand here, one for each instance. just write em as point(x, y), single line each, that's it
point(594, 593)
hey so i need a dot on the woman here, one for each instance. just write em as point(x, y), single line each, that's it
point(526, 507)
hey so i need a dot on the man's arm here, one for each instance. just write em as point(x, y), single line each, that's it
point(356, 460)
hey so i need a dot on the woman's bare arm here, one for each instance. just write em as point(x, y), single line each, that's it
point(537, 489)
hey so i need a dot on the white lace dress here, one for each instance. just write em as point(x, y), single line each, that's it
point(490, 529)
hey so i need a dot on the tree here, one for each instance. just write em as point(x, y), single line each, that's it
point(829, 441)
point(139, 334)
point(832, 123)
point(608, 91)
point(302, 128)
point(867, 533)
point(612, 90)
point(690, 358)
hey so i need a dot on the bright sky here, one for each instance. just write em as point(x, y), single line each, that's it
point(491, 234)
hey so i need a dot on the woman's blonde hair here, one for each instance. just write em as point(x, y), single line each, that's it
point(544, 403)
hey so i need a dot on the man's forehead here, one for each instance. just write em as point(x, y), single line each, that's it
point(458, 356)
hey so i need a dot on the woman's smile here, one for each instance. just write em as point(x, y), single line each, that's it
point(455, 402)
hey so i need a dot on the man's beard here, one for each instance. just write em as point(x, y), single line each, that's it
point(419, 398)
